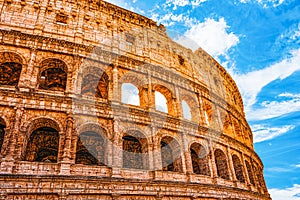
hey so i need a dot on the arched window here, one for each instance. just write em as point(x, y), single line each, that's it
point(186, 110)
point(132, 153)
point(160, 102)
point(10, 73)
point(53, 75)
point(199, 159)
point(43, 145)
point(170, 155)
point(95, 84)
point(90, 149)
point(130, 94)
point(2, 132)
point(238, 168)
point(221, 163)
point(250, 174)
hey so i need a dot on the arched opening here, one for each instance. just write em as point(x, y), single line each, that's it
point(199, 159)
point(160, 102)
point(132, 153)
point(53, 75)
point(170, 155)
point(130, 94)
point(250, 174)
point(2, 132)
point(43, 145)
point(90, 149)
point(238, 168)
point(208, 111)
point(221, 163)
point(10, 73)
point(186, 110)
point(95, 84)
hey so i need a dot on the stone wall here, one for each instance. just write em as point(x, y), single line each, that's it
point(64, 122)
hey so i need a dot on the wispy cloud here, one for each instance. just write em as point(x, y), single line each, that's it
point(292, 193)
point(264, 132)
point(182, 3)
point(250, 84)
point(210, 35)
point(270, 109)
point(265, 3)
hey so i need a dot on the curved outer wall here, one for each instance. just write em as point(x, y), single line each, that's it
point(63, 66)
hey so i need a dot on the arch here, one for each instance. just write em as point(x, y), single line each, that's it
point(90, 149)
point(208, 111)
point(237, 129)
point(170, 155)
point(138, 82)
point(190, 106)
point(130, 94)
point(95, 82)
point(250, 173)
point(221, 163)
point(34, 125)
point(167, 98)
point(53, 75)
point(161, 102)
point(135, 150)
point(43, 145)
point(10, 68)
point(199, 159)
point(238, 168)
point(2, 132)
point(227, 127)
point(186, 110)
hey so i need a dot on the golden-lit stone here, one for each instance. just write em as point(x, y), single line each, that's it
point(66, 131)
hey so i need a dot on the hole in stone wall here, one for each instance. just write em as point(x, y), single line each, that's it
point(90, 149)
point(10, 73)
point(43, 145)
point(130, 94)
point(221, 163)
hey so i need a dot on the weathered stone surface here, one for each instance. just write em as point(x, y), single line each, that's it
point(70, 129)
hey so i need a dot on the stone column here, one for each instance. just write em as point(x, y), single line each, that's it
point(150, 156)
point(245, 170)
point(114, 94)
point(66, 157)
point(230, 165)
point(202, 115)
point(7, 164)
point(117, 153)
point(187, 166)
point(26, 77)
point(15, 133)
point(151, 100)
point(157, 164)
point(213, 163)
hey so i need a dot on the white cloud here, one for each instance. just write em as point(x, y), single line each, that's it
point(265, 3)
point(182, 3)
point(169, 19)
point(298, 165)
point(263, 132)
point(250, 85)
point(272, 109)
point(196, 3)
point(210, 35)
point(292, 193)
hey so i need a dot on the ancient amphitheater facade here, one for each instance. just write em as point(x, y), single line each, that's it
point(81, 86)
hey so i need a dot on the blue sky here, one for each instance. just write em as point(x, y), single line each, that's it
point(258, 42)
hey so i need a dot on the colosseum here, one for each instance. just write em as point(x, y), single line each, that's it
point(97, 102)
